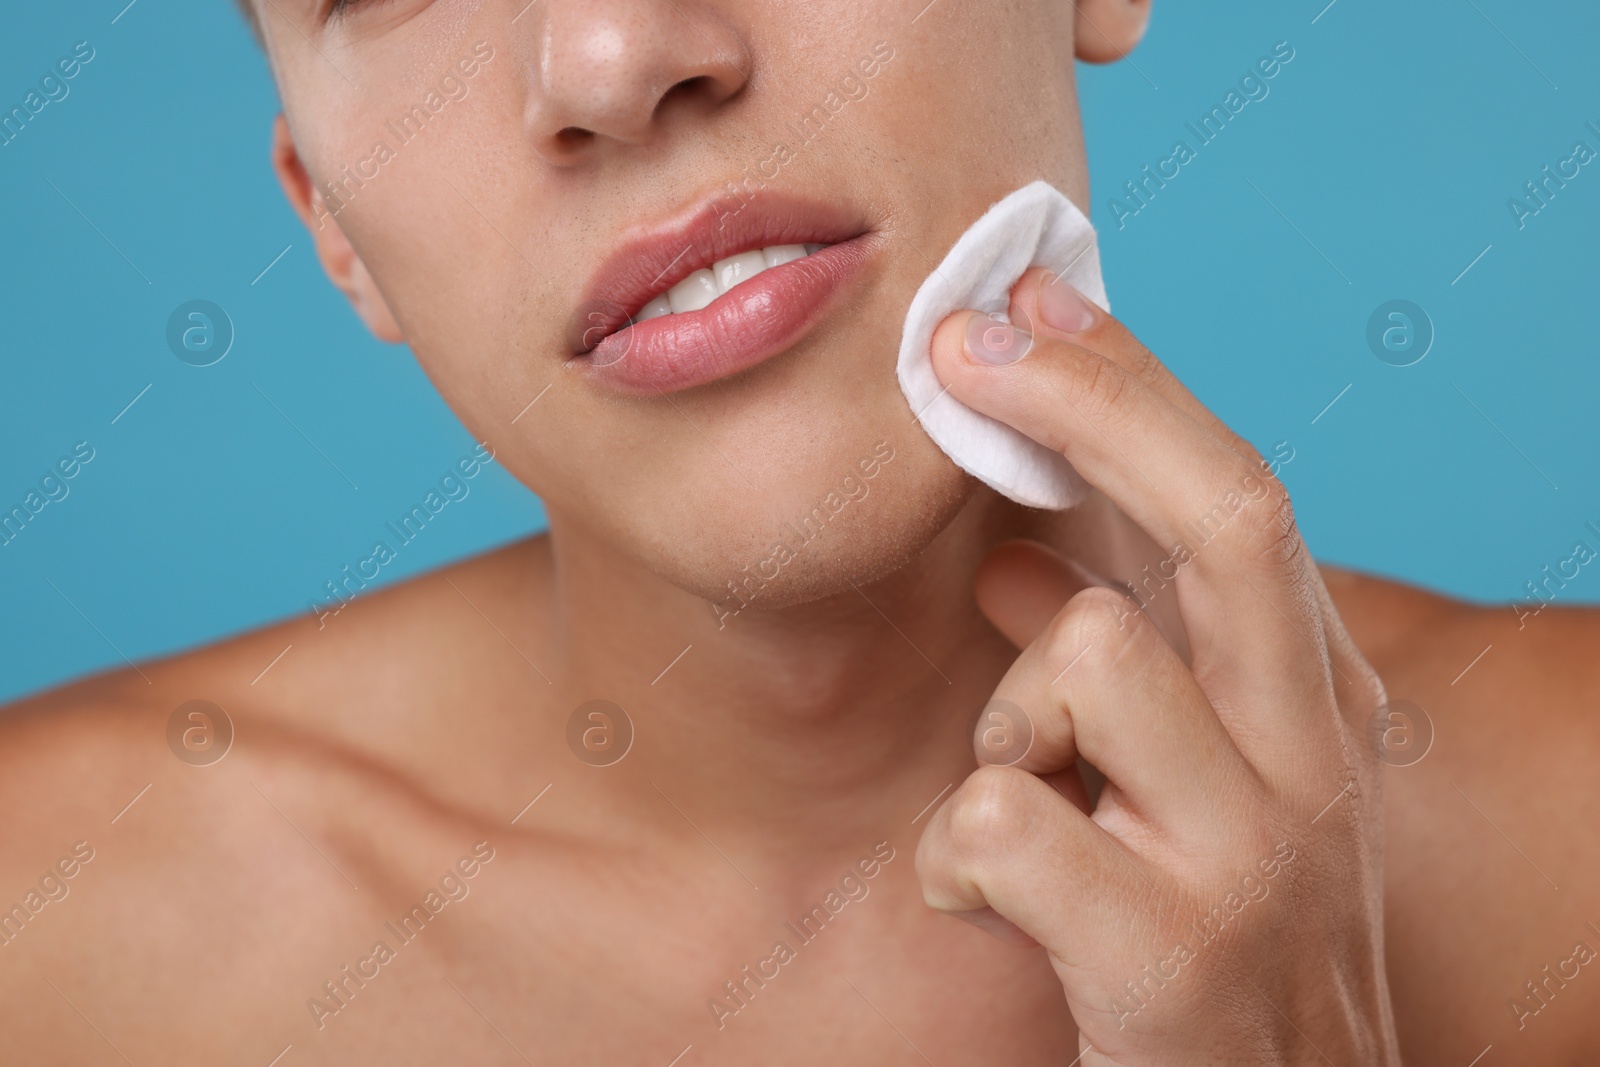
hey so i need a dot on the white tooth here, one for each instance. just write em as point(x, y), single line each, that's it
point(656, 308)
point(810, 248)
point(735, 269)
point(778, 255)
point(693, 293)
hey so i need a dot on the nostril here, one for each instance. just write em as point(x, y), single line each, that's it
point(689, 86)
point(573, 137)
point(688, 89)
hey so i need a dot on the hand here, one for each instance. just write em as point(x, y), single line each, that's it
point(1222, 902)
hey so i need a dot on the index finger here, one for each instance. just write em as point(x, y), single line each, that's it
point(1045, 305)
point(1242, 581)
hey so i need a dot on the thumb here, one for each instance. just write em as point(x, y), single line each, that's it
point(1021, 585)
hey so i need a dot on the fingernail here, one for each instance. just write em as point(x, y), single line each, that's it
point(995, 341)
point(1064, 308)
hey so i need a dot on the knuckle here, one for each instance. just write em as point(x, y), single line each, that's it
point(1272, 535)
point(1361, 708)
point(1369, 692)
point(1143, 363)
point(1098, 388)
point(1377, 692)
point(1359, 689)
point(989, 813)
point(1095, 623)
point(1249, 452)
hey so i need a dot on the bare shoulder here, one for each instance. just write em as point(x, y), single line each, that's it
point(1402, 627)
point(1492, 872)
point(327, 677)
point(308, 695)
point(1501, 686)
point(167, 821)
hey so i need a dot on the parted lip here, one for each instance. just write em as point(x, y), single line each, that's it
point(650, 259)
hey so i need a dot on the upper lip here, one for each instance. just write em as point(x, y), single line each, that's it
point(650, 260)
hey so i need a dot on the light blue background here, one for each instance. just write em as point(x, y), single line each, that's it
point(1387, 148)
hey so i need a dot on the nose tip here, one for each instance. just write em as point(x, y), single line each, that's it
point(620, 71)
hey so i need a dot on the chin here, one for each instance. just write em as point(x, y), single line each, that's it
point(855, 533)
point(847, 511)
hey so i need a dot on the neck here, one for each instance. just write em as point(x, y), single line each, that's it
point(824, 722)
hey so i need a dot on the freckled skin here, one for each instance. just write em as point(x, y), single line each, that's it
point(771, 749)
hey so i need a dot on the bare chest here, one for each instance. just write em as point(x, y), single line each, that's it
point(548, 962)
point(483, 947)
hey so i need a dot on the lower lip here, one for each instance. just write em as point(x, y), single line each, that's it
point(747, 325)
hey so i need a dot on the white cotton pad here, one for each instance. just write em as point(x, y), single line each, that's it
point(1034, 226)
